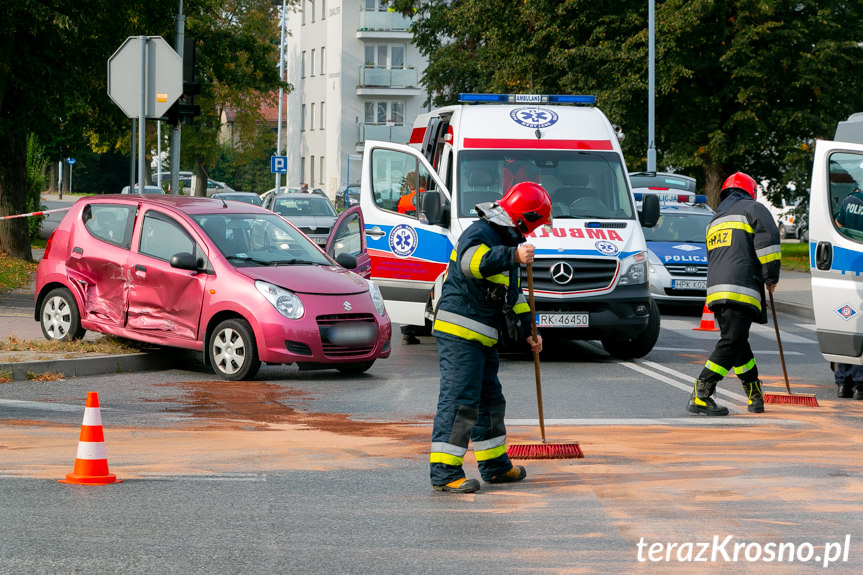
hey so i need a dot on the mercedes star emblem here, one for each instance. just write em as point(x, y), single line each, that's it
point(562, 273)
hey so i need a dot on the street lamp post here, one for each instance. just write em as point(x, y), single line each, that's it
point(281, 79)
point(651, 57)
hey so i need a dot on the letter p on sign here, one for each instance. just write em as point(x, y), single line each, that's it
point(279, 164)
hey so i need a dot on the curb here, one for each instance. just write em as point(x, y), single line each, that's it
point(102, 364)
point(795, 309)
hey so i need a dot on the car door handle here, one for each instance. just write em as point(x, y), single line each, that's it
point(140, 268)
point(78, 250)
point(376, 232)
point(824, 255)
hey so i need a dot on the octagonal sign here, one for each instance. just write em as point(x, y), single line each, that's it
point(160, 68)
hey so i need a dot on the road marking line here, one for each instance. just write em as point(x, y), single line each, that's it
point(682, 421)
point(686, 377)
point(17, 403)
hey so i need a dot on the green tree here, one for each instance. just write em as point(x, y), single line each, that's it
point(53, 81)
point(740, 85)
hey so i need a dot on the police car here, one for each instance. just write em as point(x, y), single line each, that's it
point(677, 252)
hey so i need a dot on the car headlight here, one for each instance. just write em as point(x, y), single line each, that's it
point(653, 263)
point(286, 302)
point(633, 270)
point(377, 298)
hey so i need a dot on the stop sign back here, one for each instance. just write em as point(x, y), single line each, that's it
point(159, 68)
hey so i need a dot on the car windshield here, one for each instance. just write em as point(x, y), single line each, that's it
point(259, 239)
point(245, 198)
point(305, 205)
point(580, 183)
point(690, 228)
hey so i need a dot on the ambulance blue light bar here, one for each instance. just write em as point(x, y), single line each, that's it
point(526, 99)
point(672, 197)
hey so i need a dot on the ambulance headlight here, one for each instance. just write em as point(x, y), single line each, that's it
point(633, 270)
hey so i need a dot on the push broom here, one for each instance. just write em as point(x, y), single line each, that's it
point(542, 450)
point(779, 397)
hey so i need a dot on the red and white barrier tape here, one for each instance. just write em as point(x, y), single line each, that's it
point(34, 214)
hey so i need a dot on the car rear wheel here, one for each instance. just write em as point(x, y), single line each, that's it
point(233, 351)
point(59, 316)
point(360, 367)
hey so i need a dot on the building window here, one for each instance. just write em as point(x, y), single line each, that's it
point(385, 112)
point(303, 64)
point(312, 11)
point(312, 64)
point(303, 14)
point(312, 172)
point(375, 6)
point(303, 119)
point(323, 60)
point(321, 172)
point(323, 9)
point(385, 55)
point(312, 118)
point(321, 123)
point(302, 169)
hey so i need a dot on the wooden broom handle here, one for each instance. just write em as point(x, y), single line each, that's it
point(779, 342)
point(535, 353)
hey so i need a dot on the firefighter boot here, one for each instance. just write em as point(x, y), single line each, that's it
point(753, 393)
point(517, 473)
point(701, 401)
point(461, 485)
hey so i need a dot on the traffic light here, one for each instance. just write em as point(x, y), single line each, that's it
point(184, 109)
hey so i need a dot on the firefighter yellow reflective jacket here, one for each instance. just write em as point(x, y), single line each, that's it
point(743, 253)
point(482, 281)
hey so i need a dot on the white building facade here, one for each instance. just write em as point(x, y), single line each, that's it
point(355, 73)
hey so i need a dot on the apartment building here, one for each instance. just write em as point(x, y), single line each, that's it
point(356, 76)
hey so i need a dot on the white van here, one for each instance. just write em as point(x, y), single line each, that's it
point(590, 272)
point(836, 251)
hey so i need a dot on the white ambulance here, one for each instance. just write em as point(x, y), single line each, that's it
point(836, 242)
point(590, 273)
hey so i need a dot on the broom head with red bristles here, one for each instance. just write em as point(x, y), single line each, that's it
point(807, 399)
point(545, 451)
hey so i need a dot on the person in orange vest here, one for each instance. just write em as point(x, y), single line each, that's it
point(407, 203)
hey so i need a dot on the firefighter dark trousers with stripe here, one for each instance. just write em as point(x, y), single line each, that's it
point(471, 407)
point(732, 351)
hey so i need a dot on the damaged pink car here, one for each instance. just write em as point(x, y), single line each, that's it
point(234, 281)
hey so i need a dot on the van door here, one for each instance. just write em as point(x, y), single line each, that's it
point(408, 250)
point(836, 249)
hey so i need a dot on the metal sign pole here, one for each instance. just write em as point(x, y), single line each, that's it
point(142, 115)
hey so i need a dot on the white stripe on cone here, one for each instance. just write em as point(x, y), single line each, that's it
point(91, 451)
point(92, 417)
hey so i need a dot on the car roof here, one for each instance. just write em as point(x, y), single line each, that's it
point(674, 208)
point(191, 205)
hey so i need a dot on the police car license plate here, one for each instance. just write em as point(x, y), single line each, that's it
point(562, 319)
point(688, 284)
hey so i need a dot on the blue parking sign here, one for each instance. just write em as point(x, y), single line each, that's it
point(279, 164)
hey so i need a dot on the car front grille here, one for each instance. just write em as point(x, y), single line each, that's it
point(699, 270)
point(571, 274)
point(344, 351)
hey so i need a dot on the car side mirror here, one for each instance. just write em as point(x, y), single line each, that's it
point(433, 210)
point(184, 261)
point(346, 260)
point(649, 214)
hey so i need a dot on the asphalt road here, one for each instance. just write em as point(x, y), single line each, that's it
point(316, 472)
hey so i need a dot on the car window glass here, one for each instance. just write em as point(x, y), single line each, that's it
point(400, 181)
point(162, 238)
point(348, 237)
point(846, 197)
point(111, 223)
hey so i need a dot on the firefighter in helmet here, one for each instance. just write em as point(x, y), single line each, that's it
point(743, 259)
point(481, 305)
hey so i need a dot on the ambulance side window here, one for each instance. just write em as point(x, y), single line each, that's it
point(846, 197)
point(398, 182)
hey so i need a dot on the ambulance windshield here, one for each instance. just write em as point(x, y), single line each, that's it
point(582, 184)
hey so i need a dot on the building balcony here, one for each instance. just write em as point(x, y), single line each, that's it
point(384, 133)
point(379, 77)
point(383, 25)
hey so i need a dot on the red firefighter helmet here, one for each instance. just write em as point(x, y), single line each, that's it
point(528, 205)
point(740, 181)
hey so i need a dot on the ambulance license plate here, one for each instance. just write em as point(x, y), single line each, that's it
point(562, 320)
point(688, 284)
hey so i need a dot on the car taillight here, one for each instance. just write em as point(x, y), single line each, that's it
point(48, 244)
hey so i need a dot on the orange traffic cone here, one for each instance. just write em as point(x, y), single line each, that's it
point(708, 323)
point(91, 463)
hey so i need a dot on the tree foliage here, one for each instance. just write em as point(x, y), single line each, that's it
point(742, 85)
point(53, 81)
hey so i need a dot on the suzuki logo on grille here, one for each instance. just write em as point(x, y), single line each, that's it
point(347, 306)
point(691, 270)
point(562, 273)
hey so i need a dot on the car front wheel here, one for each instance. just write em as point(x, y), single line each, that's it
point(59, 316)
point(233, 351)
